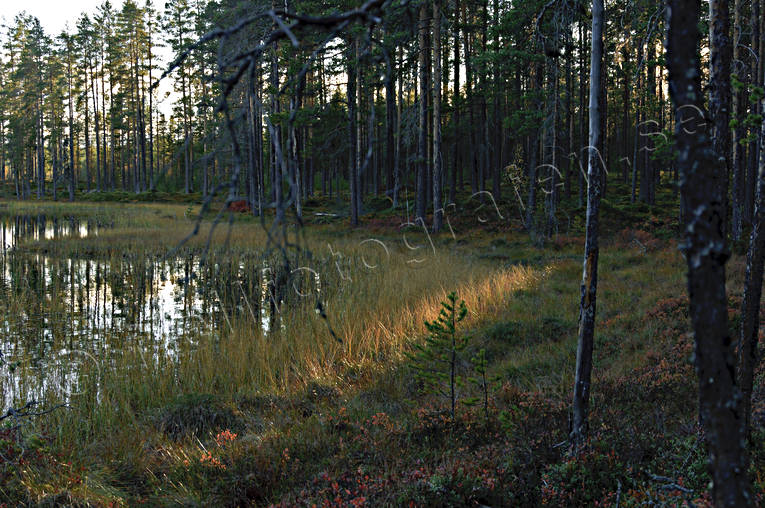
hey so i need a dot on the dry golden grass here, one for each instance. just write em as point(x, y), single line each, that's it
point(376, 302)
point(377, 313)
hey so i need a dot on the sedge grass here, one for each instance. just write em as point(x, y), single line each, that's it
point(376, 312)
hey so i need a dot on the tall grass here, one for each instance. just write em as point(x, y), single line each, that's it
point(376, 301)
point(374, 315)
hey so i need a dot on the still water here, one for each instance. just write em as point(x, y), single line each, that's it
point(59, 315)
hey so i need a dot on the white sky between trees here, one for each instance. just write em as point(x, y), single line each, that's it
point(57, 15)
point(53, 14)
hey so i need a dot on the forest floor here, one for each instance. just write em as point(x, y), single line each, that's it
point(352, 427)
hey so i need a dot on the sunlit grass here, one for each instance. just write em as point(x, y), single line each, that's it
point(523, 308)
point(376, 300)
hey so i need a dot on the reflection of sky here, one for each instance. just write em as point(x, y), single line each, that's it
point(79, 311)
point(70, 312)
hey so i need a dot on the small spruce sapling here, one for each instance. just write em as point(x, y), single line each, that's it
point(435, 362)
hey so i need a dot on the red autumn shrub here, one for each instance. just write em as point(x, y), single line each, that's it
point(240, 206)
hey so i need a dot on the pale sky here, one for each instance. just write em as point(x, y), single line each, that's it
point(53, 14)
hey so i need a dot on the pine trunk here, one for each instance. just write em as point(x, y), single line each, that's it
point(437, 161)
point(720, 94)
point(422, 152)
point(706, 254)
point(590, 273)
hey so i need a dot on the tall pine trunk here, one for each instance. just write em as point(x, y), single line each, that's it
point(706, 254)
point(720, 94)
point(750, 307)
point(422, 152)
point(72, 181)
point(456, 105)
point(582, 106)
point(87, 138)
point(390, 126)
point(590, 273)
point(751, 164)
point(93, 89)
point(352, 133)
point(437, 160)
point(531, 204)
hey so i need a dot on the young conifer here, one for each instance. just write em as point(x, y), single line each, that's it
point(435, 362)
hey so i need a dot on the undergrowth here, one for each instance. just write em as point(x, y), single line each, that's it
point(350, 426)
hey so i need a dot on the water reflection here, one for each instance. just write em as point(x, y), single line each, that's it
point(31, 228)
point(63, 318)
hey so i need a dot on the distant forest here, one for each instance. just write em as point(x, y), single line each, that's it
point(499, 90)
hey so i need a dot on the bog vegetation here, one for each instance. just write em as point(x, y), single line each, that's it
point(420, 253)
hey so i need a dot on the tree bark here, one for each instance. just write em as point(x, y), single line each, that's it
point(590, 273)
point(456, 105)
point(706, 253)
point(739, 110)
point(423, 111)
point(352, 156)
point(397, 159)
point(390, 124)
point(531, 203)
point(93, 89)
point(751, 165)
point(359, 101)
point(750, 307)
point(720, 94)
point(582, 76)
point(87, 135)
point(437, 161)
point(69, 77)
point(551, 145)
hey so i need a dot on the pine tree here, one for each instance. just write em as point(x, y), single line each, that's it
point(67, 50)
point(435, 362)
point(84, 39)
point(178, 31)
point(589, 287)
point(706, 254)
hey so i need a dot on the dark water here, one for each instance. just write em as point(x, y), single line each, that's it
point(60, 314)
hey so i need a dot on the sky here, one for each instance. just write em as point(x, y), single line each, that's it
point(53, 14)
